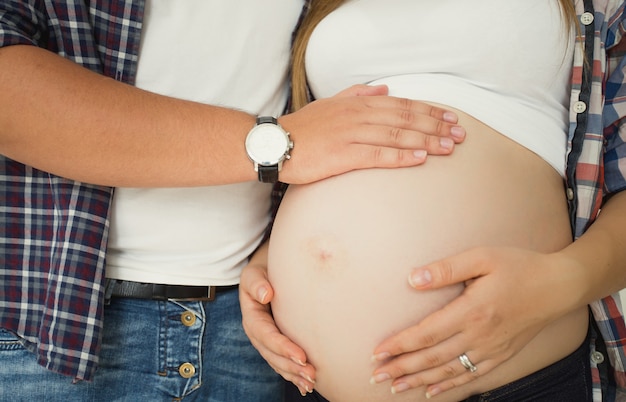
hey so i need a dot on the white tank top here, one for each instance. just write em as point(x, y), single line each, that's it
point(230, 53)
point(506, 63)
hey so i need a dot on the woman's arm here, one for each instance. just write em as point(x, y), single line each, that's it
point(510, 296)
point(64, 119)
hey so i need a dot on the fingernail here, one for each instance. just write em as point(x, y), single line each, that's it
point(262, 294)
point(420, 154)
point(378, 378)
point(297, 361)
point(307, 377)
point(302, 388)
point(401, 387)
point(457, 132)
point(380, 357)
point(420, 278)
point(446, 143)
point(450, 117)
point(432, 392)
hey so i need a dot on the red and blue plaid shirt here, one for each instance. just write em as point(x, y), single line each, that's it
point(597, 152)
point(53, 231)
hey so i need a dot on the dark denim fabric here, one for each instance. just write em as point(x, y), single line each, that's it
point(154, 351)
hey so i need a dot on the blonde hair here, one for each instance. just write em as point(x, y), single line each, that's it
point(320, 9)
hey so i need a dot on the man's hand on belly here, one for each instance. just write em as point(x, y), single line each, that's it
point(363, 128)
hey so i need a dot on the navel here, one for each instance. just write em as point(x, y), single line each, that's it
point(326, 252)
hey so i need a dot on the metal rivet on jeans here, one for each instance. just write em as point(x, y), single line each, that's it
point(188, 318)
point(597, 357)
point(186, 370)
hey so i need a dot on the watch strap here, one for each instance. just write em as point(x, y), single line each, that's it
point(266, 119)
point(268, 174)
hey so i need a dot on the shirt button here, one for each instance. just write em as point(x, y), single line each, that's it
point(597, 357)
point(188, 318)
point(186, 370)
point(586, 18)
point(580, 107)
point(570, 193)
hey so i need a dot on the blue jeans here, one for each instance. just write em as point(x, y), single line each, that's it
point(154, 351)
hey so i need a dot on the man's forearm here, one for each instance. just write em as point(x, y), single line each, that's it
point(64, 119)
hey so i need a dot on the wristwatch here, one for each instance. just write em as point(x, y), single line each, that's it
point(268, 145)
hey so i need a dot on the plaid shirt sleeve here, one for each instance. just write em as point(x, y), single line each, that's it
point(22, 23)
point(53, 231)
point(615, 107)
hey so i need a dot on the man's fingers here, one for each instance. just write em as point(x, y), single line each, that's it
point(336, 135)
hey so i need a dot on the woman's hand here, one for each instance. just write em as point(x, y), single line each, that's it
point(510, 296)
point(284, 356)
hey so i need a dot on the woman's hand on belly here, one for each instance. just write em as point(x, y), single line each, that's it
point(511, 295)
point(283, 355)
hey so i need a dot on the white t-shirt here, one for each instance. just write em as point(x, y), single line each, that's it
point(517, 82)
point(228, 53)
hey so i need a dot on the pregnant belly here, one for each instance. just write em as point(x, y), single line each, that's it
point(342, 248)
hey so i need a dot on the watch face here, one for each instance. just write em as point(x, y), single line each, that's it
point(267, 144)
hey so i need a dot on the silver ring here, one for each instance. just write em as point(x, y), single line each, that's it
point(466, 362)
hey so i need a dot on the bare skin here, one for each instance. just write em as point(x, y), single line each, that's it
point(424, 356)
point(594, 265)
point(589, 269)
point(64, 119)
point(341, 248)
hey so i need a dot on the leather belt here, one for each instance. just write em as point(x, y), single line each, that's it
point(155, 291)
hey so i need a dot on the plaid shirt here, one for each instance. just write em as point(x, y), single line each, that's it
point(53, 231)
point(596, 166)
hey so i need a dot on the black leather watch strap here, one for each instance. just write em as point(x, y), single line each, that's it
point(268, 174)
point(266, 119)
